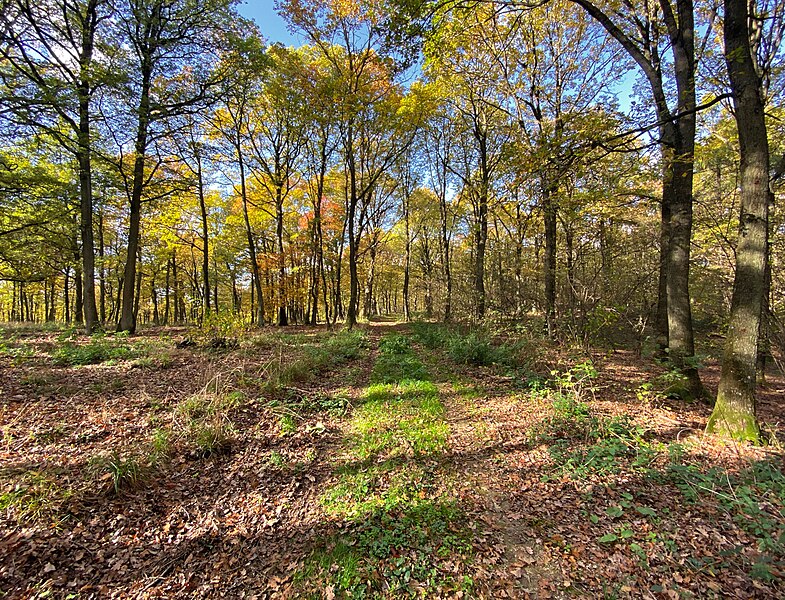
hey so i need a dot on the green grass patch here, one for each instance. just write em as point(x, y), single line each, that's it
point(403, 419)
point(100, 348)
point(476, 347)
point(33, 496)
point(413, 551)
point(405, 539)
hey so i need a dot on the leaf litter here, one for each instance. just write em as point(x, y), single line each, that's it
point(245, 520)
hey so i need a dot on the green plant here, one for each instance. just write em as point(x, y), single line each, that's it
point(410, 547)
point(395, 344)
point(223, 324)
point(287, 425)
point(124, 472)
point(160, 445)
point(276, 459)
point(314, 359)
point(212, 436)
point(35, 495)
point(100, 348)
point(754, 497)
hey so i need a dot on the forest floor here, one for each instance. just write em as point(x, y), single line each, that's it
point(396, 461)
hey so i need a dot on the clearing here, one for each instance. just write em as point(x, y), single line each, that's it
point(393, 461)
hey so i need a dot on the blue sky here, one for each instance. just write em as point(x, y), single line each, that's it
point(272, 26)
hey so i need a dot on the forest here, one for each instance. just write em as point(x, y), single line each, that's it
point(454, 299)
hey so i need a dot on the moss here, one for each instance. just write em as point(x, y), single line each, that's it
point(740, 425)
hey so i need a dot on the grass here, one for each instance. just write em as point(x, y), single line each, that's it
point(99, 348)
point(399, 419)
point(405, 538)
point(475, 347)
point(313, 358)
point(412, 551)
point(203, 419)
point(34, 496)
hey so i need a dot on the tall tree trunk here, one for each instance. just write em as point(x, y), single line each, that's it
point(86, 223)
point(78, 297)
point(166, 297)
point(66, 296)
point(445, 248)
point(677, 135)
point(550, 217)
point(175, 288)
point(734, 411)
point(138, 290)
point(283, 319)
point(102, 269)
point(480, 242)
point(215, 286)
point(354, 284)
point(407, 316)
point(154, 298)
point(257, 280)
point(205, 236)
point(368, 305)
point(661, 323)
point(127, 316)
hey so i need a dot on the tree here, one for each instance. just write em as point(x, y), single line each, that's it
point(371, 131)
point(232, 122)
point(53, 77)
point(174, 52)
point(277, 140)
point(734, 410)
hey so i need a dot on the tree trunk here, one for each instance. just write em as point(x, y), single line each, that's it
point(127, 316)
point(257, 280)
point(550, 214)
point(205, 236)
point(407, 316)
point(354, 284)
point(734, 411)
point(283, 319)
point(661, 324)
point(102, 270)
point(78, 297)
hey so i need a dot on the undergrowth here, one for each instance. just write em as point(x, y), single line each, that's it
point(475, 347)
point(586, 446)
point(100, 348)
point(314, 358)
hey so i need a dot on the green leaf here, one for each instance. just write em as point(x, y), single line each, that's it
point(608, 538)
point(594, 519)
point(646, 511)
point(614, 511)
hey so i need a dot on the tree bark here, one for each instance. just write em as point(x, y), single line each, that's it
point(549, 266)
point(257, 280)
point(283, 319)
point(734, 410)
point(407, 259)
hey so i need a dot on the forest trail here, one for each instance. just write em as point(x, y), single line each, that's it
point(395, 461)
